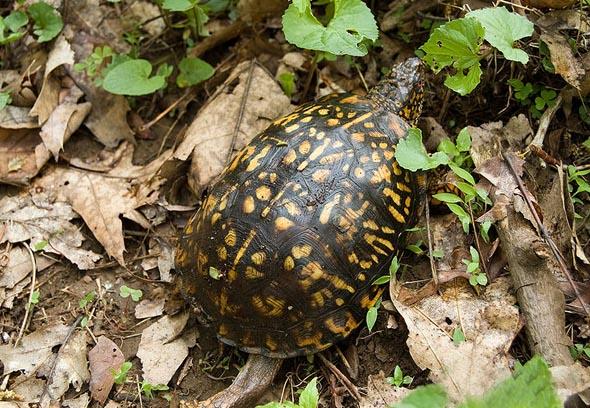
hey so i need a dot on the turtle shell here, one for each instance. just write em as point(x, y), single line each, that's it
point(283, 252)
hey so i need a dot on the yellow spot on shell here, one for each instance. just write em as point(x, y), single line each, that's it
point(357, 120)
point(270, 344)
point(359, 173)
point(352, 258)
point(305, 147)
point(362, 277)
point(258, 258)
point(272, 177)
point(317, 299)
point(408, 201)
point(289, 263)
point(307, 119)
point(323, 112)
point(339, 301)
point(396, 169)
point(249, 206)
point(222, 253)
point(253, 273)
point(263, 193)
point(403, 187)
point(222, 330)
point(327, 210)
point(301, 251)
point(352, 99)
point(387, 230)
point(314, 341)
point(333, 122)
point(269, 306)
point(358, 137)
point(256, 160)
point(283, 223)
point(292, 208)
point(369, 125)
point(320, 176)
point(372, 239)
point(292, 128)
point(388, 154)
point(290, 157)
point(366, 264)
point(370, 224)
point(393, 195)
point(244, 246)
point(230, 238)
point(396, 214)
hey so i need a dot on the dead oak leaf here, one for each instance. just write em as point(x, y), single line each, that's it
point(162, 351)
point(34, 349)
point(35, 218)
point(104, 358)
point(242, 107)
point(101, 200)
point(489, 322)
point(563, 58)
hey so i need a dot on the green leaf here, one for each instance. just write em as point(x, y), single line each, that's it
point(463, 216)
point(438, 253)
point(428, 396)
point(287, 81)
point(456, 44)
point(88, 298)
point(482, 279)
point(16, 20)
point(48, 22)
point(464, 140)
point(464, 174)
point(412, 155)
point(178, 5)
point(394, 266)
point(448, 198)
point(458, 336)
point(447, 146)
point(120, 375)
point(382, 280)
point(472, 267)
point(586, 144)
point(149, 389)
point(35, 297)
point(502, 29)
point(464, 83)
point(214, 273)
point(530, 386)
point(474, 254)
point(371, 317)
point(193, 71)
point(132, 78)
point(40, 245)
point(125, 291)
point(310, 396)
point(351, 24)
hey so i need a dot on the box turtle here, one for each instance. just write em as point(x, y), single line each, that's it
point(284, 250)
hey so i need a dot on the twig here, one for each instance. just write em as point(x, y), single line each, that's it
point(344, 379)
point(430, 257)
point(167, 110)
point(476, 235)
point(545, 234)
point(234, 135)
point(225, 34)
point(544, 123)
point(25, 322)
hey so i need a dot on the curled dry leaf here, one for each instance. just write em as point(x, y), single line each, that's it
point(219, 127)
point(63, 121)
point(562, 57)
point(46, 223)
point(162, 351)
point(149, 308)
point(81, 402)
point(104, 358)
point(33, 350)
point(69, 368)
point(489, 322)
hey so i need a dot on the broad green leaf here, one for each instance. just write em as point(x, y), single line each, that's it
point(412, 155)
point(472, 267)
point(474, 254)
point(125, 291)
point(456, 44)
point(428, 396)
point(382, 280)
point(464, 83)
point(352, 23)
point(310, 395)
point(482, 279)
point(48, 22)
point(287, 81)
point(447, 146)
point(178, 5)
point(458, 336)
point(394, 266)
point(132, 78)
point(448, 197)
point(502, 29)
point(464, 174)
point(193, 71)
point(16, 20)
point(121, 374)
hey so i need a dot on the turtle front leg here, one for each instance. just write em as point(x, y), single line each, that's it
point(250, 384)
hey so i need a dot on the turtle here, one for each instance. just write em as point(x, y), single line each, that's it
point(282, 254)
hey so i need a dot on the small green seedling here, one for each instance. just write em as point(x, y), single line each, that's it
point(399, 379)
point(308, 398)
point(48, 22)
point(214, 273)
point(134, 78)
point(120, 376)
point(372, 314)
point(35, 297)
point(580, 351)
point(10, 27)
point(40, 245)
point(577, 186)
point(458, 336)
point(287, 82)
point(148, 389)
point(5, 99)
point(87, 299)
point(126, 291)
point(393, 268)
point(193, 71)
point(476, 276)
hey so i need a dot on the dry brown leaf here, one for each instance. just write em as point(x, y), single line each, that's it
point(570, 380)
point(35, 217)
point(149, 308)
point(30, 388)
point(490, 323)
point(62, 122)
point(212, 131)
point(147, 15)
point(71, 367)
point(33, 350)
point(15, 271)
point(81, 402)
point(555, 4)
point(562, 57)
point(104, 358)
point(161, 351)
point(22, 155)
point(16, 117)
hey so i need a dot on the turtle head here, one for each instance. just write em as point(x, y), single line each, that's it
point(402, 90)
